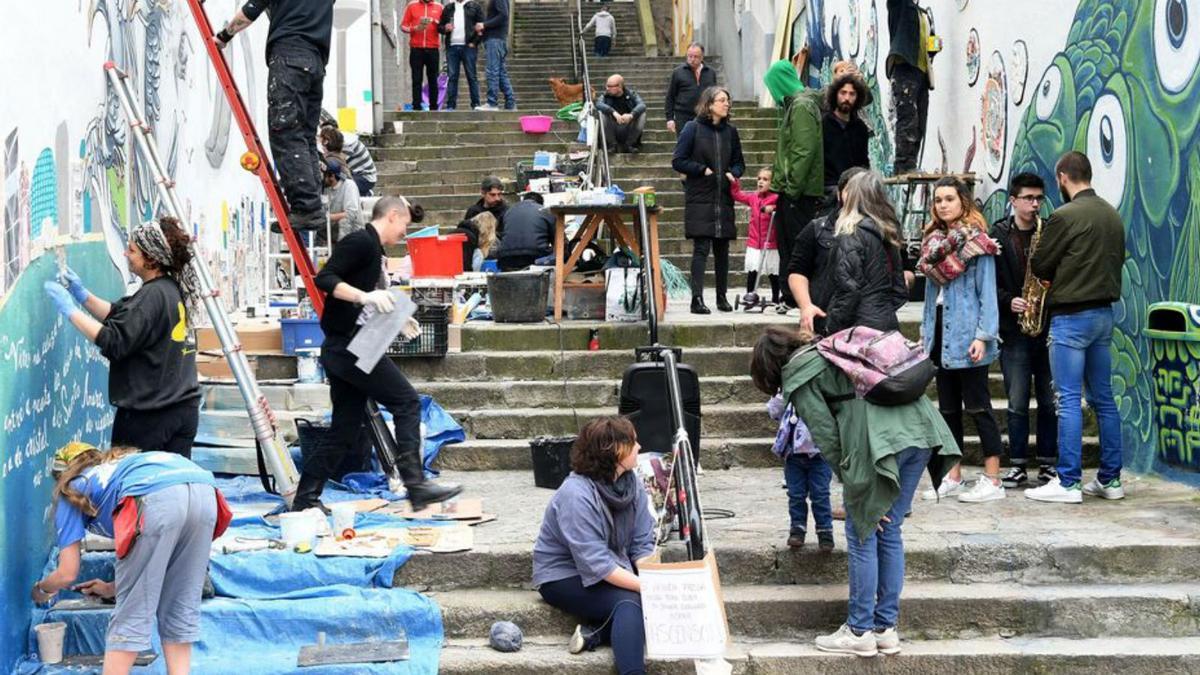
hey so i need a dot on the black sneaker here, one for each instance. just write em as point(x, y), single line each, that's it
point(1015, 478)
point(1046, 474)
point(824, 541)
point(796, 539)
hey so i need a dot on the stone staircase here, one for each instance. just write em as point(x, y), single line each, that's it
point(1005, 587)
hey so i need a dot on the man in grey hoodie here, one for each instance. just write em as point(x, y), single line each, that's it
point(606, 30)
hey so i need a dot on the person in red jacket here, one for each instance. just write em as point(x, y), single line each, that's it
point(421, 23)
point(760, 239)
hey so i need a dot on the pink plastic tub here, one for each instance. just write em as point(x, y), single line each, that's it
point(536, 124)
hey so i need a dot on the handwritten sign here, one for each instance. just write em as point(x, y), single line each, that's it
point(683, 610)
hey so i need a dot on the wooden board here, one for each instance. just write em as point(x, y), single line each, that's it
point(353, 652)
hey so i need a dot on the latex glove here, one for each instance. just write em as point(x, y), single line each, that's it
point(75, 285)
point(61, 297)
point(411, 329)
point(380, 300)
point(98, 589)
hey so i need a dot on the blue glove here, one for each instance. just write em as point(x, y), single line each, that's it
point(75, 285)
point(61, 297)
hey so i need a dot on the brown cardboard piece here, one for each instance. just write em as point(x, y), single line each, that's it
point(458, 509)
point(256, 336)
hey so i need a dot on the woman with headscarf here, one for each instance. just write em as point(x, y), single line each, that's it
point(144, 336)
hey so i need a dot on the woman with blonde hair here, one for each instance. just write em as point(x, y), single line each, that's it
point(868, 270)
point(163, 512)
point(960, 328)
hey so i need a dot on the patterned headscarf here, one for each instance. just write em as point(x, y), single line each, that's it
point(153, 243)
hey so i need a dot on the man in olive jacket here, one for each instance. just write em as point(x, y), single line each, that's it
point(1081, 254)
point(799, 173)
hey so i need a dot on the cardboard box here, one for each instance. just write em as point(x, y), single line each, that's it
point(255, 336)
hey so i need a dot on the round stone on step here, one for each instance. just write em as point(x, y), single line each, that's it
point(505, 637)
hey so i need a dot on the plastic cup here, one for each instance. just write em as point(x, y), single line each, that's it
point(343, 519)
point(50, 638)
point(297, 528)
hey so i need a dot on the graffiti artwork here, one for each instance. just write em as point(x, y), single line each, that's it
point(994, 125)
point(1019, 71)
point(973, 57)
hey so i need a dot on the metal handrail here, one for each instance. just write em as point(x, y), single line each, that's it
point(598, 145)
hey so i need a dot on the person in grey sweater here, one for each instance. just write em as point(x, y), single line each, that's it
point(596, 530)
point(606, 30)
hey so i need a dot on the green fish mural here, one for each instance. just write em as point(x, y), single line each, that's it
point(1125, 91)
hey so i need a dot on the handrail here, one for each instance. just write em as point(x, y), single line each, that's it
point(598, 145)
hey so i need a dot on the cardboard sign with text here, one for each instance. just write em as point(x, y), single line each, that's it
point(683, 609)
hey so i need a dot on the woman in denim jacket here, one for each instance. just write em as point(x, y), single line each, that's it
point(960, 330)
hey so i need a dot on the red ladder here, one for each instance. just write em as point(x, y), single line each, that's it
point(256, 158)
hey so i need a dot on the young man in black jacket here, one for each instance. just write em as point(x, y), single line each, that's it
point(686, 84)
point(528, 234)
point(1023, 358)
point(809, 267)
point(844, 133)
point(491, 199)
point(457, 27)
point(354, 279)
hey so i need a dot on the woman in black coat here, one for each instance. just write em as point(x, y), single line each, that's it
point(707, 149)
point(868, 272)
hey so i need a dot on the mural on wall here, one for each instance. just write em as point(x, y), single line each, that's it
point(994, 112)
point(1124, 90)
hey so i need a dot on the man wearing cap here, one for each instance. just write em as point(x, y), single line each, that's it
point(345, 208)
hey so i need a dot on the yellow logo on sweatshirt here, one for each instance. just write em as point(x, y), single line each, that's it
point(179, 332)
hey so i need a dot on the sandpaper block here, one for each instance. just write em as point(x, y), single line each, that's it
point(379, 651)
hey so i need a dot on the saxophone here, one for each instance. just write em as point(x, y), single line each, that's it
point(1033, 319)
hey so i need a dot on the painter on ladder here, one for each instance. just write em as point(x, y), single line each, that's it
point(354, 278)
point(144, 336)
point(163, 512)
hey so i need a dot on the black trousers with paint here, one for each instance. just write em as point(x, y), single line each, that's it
point(294, 89)
point(910, 90)
point(170, 429)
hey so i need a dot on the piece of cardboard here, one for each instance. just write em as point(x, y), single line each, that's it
point(683, 609)
point(367, 505)
point(366, 544)
point(256, 335)
point(455, 538)
point(458, 509)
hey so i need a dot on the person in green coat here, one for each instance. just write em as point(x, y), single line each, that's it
point(878, 453)
point(798, 175)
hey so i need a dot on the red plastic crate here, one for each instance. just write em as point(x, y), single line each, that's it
point(440, 256)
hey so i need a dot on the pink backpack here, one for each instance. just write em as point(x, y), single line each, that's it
point(886, 369)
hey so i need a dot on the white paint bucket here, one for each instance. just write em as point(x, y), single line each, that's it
point(50, 638)
point(297, 528)
point(343, 519)
point(308, 366)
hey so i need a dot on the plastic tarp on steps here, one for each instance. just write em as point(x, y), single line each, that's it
point(272, 603)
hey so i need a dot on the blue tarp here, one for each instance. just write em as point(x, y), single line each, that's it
point(273, 602)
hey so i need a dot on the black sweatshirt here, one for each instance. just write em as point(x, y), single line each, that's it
point(296, 23)
point(846, 146)
point(357, 259)
point(144, 338)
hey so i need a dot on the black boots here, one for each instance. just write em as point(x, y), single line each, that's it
point(308, 493)
point(723, 303)
point(421, 492)
point(698, 306)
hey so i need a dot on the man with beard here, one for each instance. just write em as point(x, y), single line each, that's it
point(845, 134)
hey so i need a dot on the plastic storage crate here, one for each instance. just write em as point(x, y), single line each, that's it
point(434, 340)
point(300, 334)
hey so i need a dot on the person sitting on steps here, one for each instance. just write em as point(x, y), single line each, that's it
point(624, 115)
point(596, 530)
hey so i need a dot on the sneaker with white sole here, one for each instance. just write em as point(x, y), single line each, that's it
point(984, 490)
point(1054, 492)
point(1015, 478)
point(1110, 490)
point(844, 641)
point(585, 638)
point(948, 488)
point(887, 641)
point(487, 107)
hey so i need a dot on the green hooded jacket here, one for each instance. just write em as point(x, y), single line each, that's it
point(861, 440)
point(799, 169)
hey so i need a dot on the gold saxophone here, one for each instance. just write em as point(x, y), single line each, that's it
point(1034, 291)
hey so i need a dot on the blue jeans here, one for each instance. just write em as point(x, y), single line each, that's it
point(464, 56)
point(1023, 358)
point(1080, 356)
point(877, 563)
point(497, 73)
point(808, 478)
point(615, 612)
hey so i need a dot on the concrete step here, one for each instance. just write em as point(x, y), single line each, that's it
point(742, 109)
point(416, 139)
point(982, 656)
point(715, 453)
point(932, 610)
point(463, 158)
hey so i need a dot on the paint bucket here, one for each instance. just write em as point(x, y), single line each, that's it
point(308, 366)
point(297, 528)
point(343, 520)
point(50, 638)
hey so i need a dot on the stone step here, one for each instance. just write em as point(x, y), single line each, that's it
point(669, 197)
point(625, 167)
point(980, 656)
point(932, 610)
point(523, 147)
point(722, 420)
point(418, 136)
point(746, 109)
point(462, 129)
point(715, 453)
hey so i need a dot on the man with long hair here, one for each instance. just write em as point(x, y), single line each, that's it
point(845, 134)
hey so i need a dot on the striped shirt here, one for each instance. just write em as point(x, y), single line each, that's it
point(359, 158)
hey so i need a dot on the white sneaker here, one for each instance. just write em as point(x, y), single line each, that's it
point(844, 641)
point(1110, 490)
point(888, 641)
point(1054, 492)
point(948, 488)
point(577, 643)
point(486, 108)
point(984, 490)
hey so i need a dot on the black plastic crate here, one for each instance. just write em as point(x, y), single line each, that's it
point(434, 339)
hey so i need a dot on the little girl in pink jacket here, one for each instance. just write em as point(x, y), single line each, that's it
point(760, 241)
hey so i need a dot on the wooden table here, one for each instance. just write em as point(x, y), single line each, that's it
point(615, 218)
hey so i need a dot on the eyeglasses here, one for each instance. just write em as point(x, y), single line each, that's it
point(1033, 199)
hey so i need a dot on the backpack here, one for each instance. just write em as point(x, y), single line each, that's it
point(886, 368)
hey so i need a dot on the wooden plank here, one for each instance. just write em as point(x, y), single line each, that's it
point(353, 652)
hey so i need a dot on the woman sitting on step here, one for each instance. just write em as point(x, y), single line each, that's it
point(879, 453)
point(596, 530)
